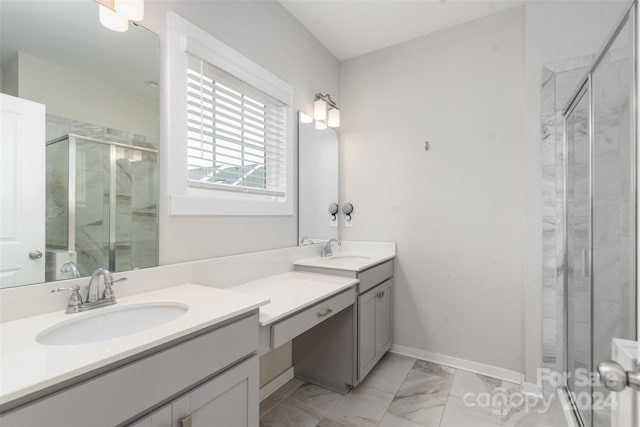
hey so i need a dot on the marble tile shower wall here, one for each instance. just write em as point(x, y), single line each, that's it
point(135, 192)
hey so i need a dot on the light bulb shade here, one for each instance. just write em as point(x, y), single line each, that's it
point(320, 125)
point(320, 110)
point(112, 20)
point(133, 10)
point(305, 118)
point(334, 118)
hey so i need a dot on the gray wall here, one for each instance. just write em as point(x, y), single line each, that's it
point(457, 211)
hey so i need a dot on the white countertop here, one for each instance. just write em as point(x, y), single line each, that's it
point(292, 291)
point(28, 366)
point(353, 256)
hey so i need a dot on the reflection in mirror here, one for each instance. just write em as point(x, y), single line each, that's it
point(84, 183)
point(318, 183)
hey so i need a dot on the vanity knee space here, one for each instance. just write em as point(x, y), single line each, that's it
point(374, 308)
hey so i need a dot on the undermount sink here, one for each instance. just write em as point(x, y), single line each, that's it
point(104, 324)
point(348, 258)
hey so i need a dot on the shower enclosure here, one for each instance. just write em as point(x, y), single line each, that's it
point(101, 203)
point(600, 220)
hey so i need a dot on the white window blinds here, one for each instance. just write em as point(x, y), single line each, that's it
point(235, 133)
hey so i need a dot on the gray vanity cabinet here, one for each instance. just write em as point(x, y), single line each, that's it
point(230, 399)
point(375, 310)
point(159, 418)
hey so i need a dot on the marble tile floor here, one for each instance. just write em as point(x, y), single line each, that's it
point(404, 392)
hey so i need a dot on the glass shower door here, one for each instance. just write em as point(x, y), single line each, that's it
point(89, 204)
point(613, 222)
point(600, 224)
point(578, 299)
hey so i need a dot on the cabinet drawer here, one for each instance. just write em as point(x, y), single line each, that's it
point(375, 275)
point(139, 385)
point(290, 328)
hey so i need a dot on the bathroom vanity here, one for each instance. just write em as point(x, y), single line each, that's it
point(198, 359)
point(200, 366)
point(372, 264)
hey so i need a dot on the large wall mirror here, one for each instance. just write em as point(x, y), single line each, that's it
point(317, 183)
point(79, 149)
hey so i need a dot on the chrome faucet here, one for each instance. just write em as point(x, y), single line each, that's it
point(93, 300)
point(306, 239)
point(70, 267)
point(326, 249)
point(94, 284)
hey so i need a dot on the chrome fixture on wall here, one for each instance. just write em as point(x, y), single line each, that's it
point(333, 211)
point(347, 209)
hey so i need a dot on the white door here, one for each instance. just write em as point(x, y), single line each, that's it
point(22, 207)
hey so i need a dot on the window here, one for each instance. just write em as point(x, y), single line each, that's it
point(235, 133)
point(230, 137)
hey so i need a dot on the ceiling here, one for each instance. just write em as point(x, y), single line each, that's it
point(349, 28)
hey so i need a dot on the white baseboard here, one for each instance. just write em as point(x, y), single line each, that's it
point(531, 388)
point(275, 383)
point(465, 365)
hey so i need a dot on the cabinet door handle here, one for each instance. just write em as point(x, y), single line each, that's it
point(325, 313)
point(186, 421)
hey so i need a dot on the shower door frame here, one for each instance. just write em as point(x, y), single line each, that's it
point(584, 90)
point(631, 15)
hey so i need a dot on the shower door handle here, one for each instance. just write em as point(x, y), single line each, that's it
point(586, 263)
point(615, 378)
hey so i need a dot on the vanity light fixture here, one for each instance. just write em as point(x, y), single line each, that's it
point(333, 120)
point(112, 20)
point(320, 125)
point(116, 14)
point(325, 109)
point(319, 109)
point(133, 10)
